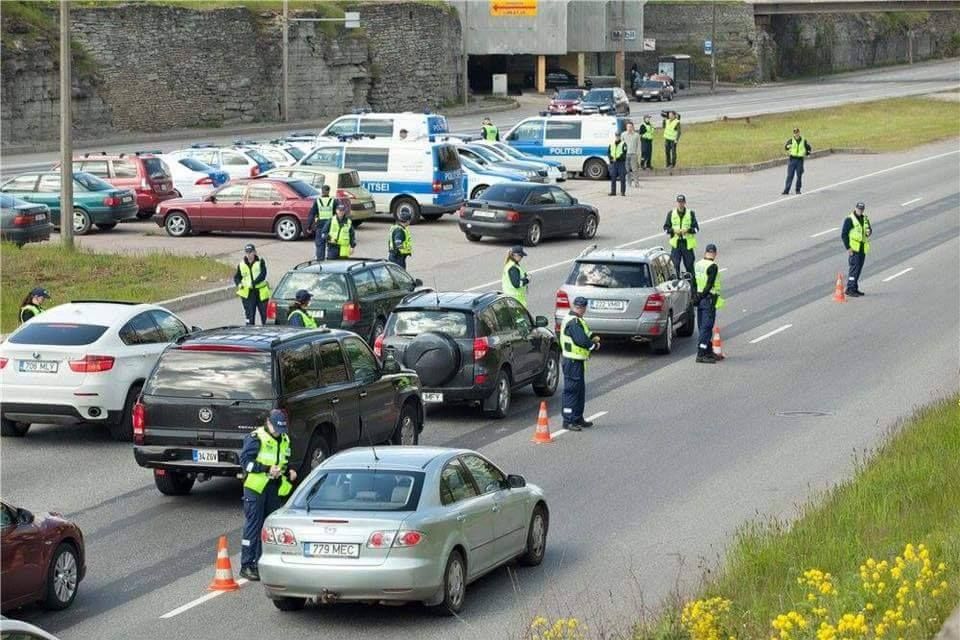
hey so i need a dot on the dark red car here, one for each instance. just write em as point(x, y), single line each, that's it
point(266, 205)
point(43, 559)
point(143, 173)
point(566, 100)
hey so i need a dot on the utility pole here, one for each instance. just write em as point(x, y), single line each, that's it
point(66, 130)
point(623, 45)
point(713, 52)
point(286, 61)
point(466, 53)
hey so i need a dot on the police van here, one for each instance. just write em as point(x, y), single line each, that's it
point(582, 142)
point(386, 125)
point(422, 178)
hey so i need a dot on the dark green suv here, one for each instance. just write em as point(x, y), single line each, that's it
point(356, 294)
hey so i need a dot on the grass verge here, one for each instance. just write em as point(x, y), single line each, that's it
point(867, 125)
point(86, 275)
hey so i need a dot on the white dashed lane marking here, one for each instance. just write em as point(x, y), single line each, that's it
point(560, 432)
point(823, 233)
point(897, 274)
point(909, 202)
point(198, 601)
point(772, 333)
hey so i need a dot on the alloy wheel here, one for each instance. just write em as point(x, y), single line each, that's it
point(65, 577)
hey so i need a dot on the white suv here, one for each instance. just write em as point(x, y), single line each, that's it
point(82, 362)
point(239, 162)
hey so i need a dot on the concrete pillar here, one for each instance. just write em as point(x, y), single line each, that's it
point(541, 74)
point(581, 69)
point(620, 64)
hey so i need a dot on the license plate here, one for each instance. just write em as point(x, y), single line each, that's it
point(331, 549)
point(126, 199)
point(206, 455)
point(368, 205)
point(40, 217)
point(608, 305)
point(448, 187)
point(39, 366)
point(484, 214)
point(318, 315)
point(432, 397)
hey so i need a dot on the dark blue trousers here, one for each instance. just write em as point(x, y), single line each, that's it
point(398, 259)
point(256, 508)
point(853, 275)
point(574, 390)
point(681, 254)
point(706, 317)
point(795, 167)
point(618, 171)
point(252, 305)
point(320, 246)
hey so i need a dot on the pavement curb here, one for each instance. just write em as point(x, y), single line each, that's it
point(951, 628)
point(749, 168)
point(198, 299)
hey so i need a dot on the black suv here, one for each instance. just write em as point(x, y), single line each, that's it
point(472, 347)
point(356, 294)
point(210, 389)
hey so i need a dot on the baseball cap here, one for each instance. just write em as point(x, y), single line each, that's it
point(278, 420)
point(518, 250)
point(249, 248)
point(579, 301)
point(711, 248)
point(40, 291)
point(303, 296)
point(861, 206)
point(325, 187)
point(681, 197)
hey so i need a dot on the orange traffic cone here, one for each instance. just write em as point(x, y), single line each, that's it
point(839, 295)
point(223, 572)
point(542, 434)
point(717, 343)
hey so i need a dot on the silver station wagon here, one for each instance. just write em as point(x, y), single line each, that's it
point(400, 524)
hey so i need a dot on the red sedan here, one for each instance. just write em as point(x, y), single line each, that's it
point(565, 101)
point(42, 559)
point(266, 205)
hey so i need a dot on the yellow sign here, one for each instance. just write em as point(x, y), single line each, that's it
point(513, 8)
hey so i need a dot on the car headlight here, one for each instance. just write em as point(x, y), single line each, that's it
point(531, 174)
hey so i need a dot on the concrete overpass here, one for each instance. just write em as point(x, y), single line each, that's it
point(787, 7)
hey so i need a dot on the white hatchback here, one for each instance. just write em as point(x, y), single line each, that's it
point(82, 362)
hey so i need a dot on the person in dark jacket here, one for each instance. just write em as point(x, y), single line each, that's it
point(577, 343)
point(617, 165)
point(324, 207)
point(400, 242)
point(681, 225)
point(297, 315)
point(797, 149)
point(252, 287)
point(339, 234)
point(32, 304)
point(855, 235)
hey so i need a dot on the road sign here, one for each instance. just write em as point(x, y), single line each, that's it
point(629, 34)
point(649, 44)
point(351, 19)
point(707, 47)
point(513, 8)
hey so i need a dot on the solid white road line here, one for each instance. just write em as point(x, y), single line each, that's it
point(199, 601)
point(755, 207)
point(560, 432)
point(897, 274)
point(823, 233)
point(910, 202)
point(722, 269)
point(772, 333)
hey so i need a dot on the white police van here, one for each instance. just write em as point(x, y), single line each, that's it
point(581, 141)
point(386, 125)
point(422, 178)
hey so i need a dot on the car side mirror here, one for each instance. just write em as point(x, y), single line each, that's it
point(390, 365)
point(195, 328)
point(24, 517)
point(417, 282)
point(541, 321)
point(516, 481)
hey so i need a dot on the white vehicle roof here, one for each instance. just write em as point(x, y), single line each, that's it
point(101, 313)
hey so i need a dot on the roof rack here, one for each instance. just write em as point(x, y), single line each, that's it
point(204, 331)
point(202, 145)
point(279, 340)
point(94, 153)
point(126, 302)
point(307, 263)
point(303, 134)
point(485, 296)
point(246, 142)
point(148, 152)
point(415, 293)
point(588, 250)
point(362, 262)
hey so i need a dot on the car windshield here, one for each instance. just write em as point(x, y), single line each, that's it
point(610, 275)
point(362, 490)
point(651, 84)
point(599, 96)
point(569, 94)
point(225, 375)
point(195, 165)
point(61, 334)
point(470, 164)
point(91, 182)
point(506, 192)
point(325, 287)
point(412, 322)
point(257, 157)
point(303, 189)
point(293, 151)
point(486, 154)
point(156, 168)
point(348, 180)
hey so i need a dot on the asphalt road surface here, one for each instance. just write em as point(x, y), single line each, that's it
point(771, 98)
point(681, 453)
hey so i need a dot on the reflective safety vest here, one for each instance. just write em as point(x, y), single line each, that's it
point(568, 347)
point(29, 307)
point(647, 131)
point(670, 130)
point(272, 452)
point(617, 151)
point(700, 269)
point(798, 148)
point(490, 132)
point(682, 223)
point(325, 209)
point(248, 274)
point(308, 322)
point(406, 247)
point(340, 235)
point(517, 293)
point(859, 234)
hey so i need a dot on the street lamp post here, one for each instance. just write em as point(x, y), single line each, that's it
point(66, 130)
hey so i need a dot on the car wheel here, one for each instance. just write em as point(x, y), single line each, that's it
point(454, 585)
point(106, 226)
point(546, 383)
point(432, 217)
point(12, 429)
point(317, 451)
point(589, 228)
point(407, 205)
point(499, 400)
point(81, 222)
point(473, 237)
point(477, 190)
point(289, 604)
point(689, 319)
point(664, 344)
point(123, 430)
point(173, 483)
point(536, 538)
point(407, 431)
point(595, 169)
point(63, 576)
point(287, 228)
point(378, 328)
point(177, 225)
point(534, 234)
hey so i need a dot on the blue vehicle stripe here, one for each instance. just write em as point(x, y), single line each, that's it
point(565, 151)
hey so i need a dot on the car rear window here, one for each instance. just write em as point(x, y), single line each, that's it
point(156, 168)
point(58, 333)
point(362, 490)
point(325, 287)
point(7, 202)
point(599, 95)
point(295, 152)
point(506, 193)
point(447, 158)
point(569, 95)
point(257, 157)
point(91, 182)
point(223, 375)
point(195, 165)
point(651, 84)
point(348, 180)
point(303, 189)
point(411, 322)
point(610, 275)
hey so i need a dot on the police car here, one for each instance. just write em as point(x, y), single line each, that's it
point(479, 177)
point(418, 177)
point(238, 161)
point(581, 141)
point(386, 125)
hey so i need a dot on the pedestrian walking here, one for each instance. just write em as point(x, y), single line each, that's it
point(514, 280)
point(267, 480)
point(488, 131)
point(671, 137)
point(400, 242)
point(646, 143)
point(297, 315)
point(339, 234)
point(856, 234)
point(797, 148)
point(252, 287)
point(617, 165)
point(708, 302)
point(324, 208)
point(631, 139)
point(681, 225)
point(576, 345)
point(32, 304)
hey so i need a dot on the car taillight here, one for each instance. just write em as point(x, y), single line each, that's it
point(92, 364)
point(562, 300)
point(111, 201)
point(512, 216)
point(278, 535)
point(437, 186)
point(254, 171)
point(139, 420)
point(272, 310)
point(387, 539)
point(654, 302)
point(480, 378)
point(19, 221)
point(351, 312)
point(345, 195)
point(3, 363)
point(480, 348)
point(204, 181)
point(377, 346)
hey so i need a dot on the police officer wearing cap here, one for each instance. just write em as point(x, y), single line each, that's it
point(297, 315)
point(708, 301)
point(488, 131)
point(855, 235)
point(252, 287)
point(339, 235)
point(514, 280)
point(646, 143)
point(617, 165)
point(681, 225)
point(797, 149)
point(32, 304)
point(576, 345)
point(400, 242)
point(324, 208)
point(267, 481)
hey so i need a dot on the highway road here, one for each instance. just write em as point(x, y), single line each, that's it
point(681, 455)
point(770, 98)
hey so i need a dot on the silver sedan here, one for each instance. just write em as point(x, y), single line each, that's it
point(400, 524)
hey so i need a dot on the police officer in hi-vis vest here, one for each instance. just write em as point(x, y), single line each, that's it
point(797, 148)
point(856, 234)
point(514, 280)
point(576, 345)
point(252, 287)
point(297, 315)
point(617, 165)
point(681, 225)
point(324, 208)
point(646, 143)
point(708, 301)
point(32, 305)
point(400, 242)
point(339, 235)
point(671, 137)
point(267, 481)
point(488, 131)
